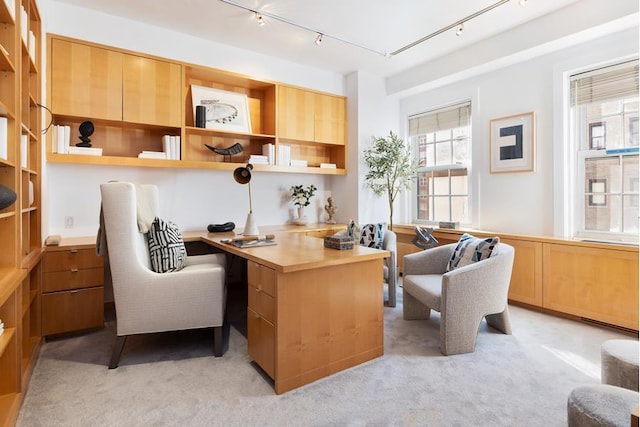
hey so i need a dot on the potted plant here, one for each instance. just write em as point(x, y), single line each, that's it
point(302, 198)
point(391, 168)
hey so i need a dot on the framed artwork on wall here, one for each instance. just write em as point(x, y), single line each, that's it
point(224, 110)
point(512, 143)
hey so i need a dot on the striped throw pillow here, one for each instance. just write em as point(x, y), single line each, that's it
point(166, 247)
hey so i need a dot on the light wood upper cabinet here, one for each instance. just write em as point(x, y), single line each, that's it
point(329, 119)
point(151, 91)
point(86, 81)
point(310, 116)
point(296, 110)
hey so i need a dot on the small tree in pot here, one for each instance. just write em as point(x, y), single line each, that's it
point(391, 168)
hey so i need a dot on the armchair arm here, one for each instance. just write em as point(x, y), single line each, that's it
point(429, 261)
point(480, 287)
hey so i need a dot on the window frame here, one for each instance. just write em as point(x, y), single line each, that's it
point(416, 145)
point(581, 148)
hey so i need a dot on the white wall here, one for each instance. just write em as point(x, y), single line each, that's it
point(520, 203)
point(191, 198)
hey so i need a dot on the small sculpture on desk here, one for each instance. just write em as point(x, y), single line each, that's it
point(331, 211)
point(86, 130)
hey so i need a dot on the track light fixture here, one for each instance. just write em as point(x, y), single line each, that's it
point(459, 25)
point(259, 19)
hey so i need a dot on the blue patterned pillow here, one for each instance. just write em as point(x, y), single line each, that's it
point(369, 235)
point(166, 247)
point(471, 249)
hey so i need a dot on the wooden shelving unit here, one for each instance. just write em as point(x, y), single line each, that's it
point(134, 99)
point(20, 230)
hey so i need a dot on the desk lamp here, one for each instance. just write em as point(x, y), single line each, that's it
point(242, 175)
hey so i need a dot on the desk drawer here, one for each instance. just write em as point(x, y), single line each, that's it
point(72, 279)
point(72, 311)
point(262, 303)
point(70, 259)
point(261, 277)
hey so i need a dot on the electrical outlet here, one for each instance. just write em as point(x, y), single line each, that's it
point(68, 222)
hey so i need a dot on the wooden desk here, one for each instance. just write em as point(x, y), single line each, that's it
point(312, 311)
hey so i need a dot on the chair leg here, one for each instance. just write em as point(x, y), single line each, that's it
point(117, 351)
point(500, 321)
point(457, 334)
point(217, 341)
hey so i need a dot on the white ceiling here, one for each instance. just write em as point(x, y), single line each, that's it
point(381, 25)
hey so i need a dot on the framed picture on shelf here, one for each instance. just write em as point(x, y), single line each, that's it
point(224, 110)
point(512, 144)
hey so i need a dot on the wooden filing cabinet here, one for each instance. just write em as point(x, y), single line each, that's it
point(72, 288)
point(261, 316)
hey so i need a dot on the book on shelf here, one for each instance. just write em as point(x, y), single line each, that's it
point(4, 138)
point(257, 159)
point(24, 151)
point(152, 155)
point(327, 165)
point(86, 151)
point(269, 150)
point(284, 155)
point(171, 146)
point(299, 163)
point(60, 137)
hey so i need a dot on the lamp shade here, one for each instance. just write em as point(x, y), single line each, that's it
point(242, 175)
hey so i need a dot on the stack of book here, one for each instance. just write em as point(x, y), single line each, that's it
point(256, 159)
point(170, 146)
point(299, 163)
point(327, 165)
point(60, 143)
point(284, 155)
point(152, 155)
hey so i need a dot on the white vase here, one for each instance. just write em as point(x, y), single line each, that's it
point(302, 216)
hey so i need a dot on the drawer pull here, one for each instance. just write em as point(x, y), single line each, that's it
point(74, 270)
point(73, 251)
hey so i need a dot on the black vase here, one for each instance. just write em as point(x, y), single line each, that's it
point(7, 197)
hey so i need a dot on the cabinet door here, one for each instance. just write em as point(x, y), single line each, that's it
point(86, 81)
point(330, 119)
point(152, 91)
point(295, 113)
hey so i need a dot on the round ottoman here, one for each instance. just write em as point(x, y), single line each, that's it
point(619, 360)
point(600, 405)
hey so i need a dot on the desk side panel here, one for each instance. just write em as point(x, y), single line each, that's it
point(328, 319)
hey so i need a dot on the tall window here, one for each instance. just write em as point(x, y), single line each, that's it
point(604, 132)
point(442, 142)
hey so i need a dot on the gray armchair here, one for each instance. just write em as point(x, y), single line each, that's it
point(463, 296)
point(146, 301)
point(390, 264)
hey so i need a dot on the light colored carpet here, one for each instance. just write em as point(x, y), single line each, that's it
point(174, 380)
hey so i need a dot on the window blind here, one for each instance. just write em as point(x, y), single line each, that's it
point(445, 118)
point(605, 84)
